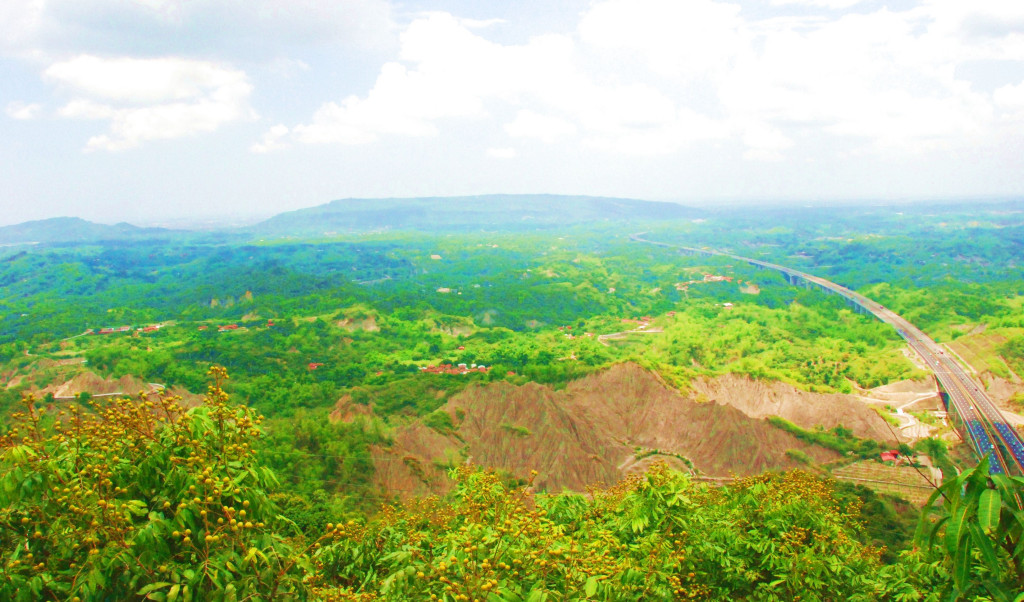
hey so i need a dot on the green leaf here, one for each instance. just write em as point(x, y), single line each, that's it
point(590, 588)
point(988, 510)
point(172, 594)
point(961, 567)
point(956, 529)
point(151, 587)
point(997, 591)
point(988, 553)
point(136, 507)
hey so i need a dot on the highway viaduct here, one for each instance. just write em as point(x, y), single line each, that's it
point(975, 416)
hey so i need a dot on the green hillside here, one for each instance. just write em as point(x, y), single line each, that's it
point(393, 387)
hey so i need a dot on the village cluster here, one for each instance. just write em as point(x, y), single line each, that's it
point(682, 286)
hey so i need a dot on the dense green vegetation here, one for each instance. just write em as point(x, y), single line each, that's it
point(140, 498)
point(837, 438)
point(506, 299)
point(98, 501)
point(137, 498)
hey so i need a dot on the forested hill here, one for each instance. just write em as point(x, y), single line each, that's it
point(72, 229)
point(496, 211)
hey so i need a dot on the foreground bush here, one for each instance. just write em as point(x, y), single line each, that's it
point(141, 498)
point(144, 499)
point(980, 529)
point(653, 537)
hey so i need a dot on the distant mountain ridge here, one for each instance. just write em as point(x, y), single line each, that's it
point(488, 212)
point(72, 229)
point(493, 211)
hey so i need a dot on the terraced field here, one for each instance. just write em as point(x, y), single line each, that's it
point(902, 481)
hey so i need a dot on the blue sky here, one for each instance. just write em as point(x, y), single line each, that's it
point(149, 110)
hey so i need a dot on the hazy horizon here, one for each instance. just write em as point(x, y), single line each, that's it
point(151, 111)
point(241, 219)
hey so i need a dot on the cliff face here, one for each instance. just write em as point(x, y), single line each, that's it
point(760, 399)
point(595, 430)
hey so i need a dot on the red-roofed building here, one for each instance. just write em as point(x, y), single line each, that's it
point(890, 456)
point(113, 330)
point(314, 365)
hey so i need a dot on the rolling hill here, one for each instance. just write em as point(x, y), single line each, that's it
point(73, 229)
point(488, 212)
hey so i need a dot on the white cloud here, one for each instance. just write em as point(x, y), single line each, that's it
point(502, 153)
point(765, 143)
point(882, 80)
point(652, 77)
point(449, 72)
point(82, 108)
point(272, 140)
point(1010, 97)
point(134, 80)
point(1009, 101)
point(151, 99)
point(546, 128)
point(481, 23)
point(19, 20)
point(832, 4)
point(676, 37)
point(22, 111)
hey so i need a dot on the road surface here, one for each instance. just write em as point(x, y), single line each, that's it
point(981, 421)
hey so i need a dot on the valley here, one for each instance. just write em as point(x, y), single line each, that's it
point(386, 361)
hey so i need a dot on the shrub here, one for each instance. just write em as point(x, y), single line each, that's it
point(141, 497)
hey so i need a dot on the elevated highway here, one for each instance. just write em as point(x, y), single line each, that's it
point(974, 414)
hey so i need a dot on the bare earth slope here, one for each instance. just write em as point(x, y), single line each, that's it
point(760, 399)
point(590, 432)
point(97, 385)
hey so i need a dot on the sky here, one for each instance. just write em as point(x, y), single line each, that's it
point(154, 110)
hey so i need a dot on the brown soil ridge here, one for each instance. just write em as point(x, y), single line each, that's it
point(591, 432)
point(346, 410)
point(97, 385)
point(760, 399)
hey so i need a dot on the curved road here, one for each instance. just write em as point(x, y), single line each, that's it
point(986, 428)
